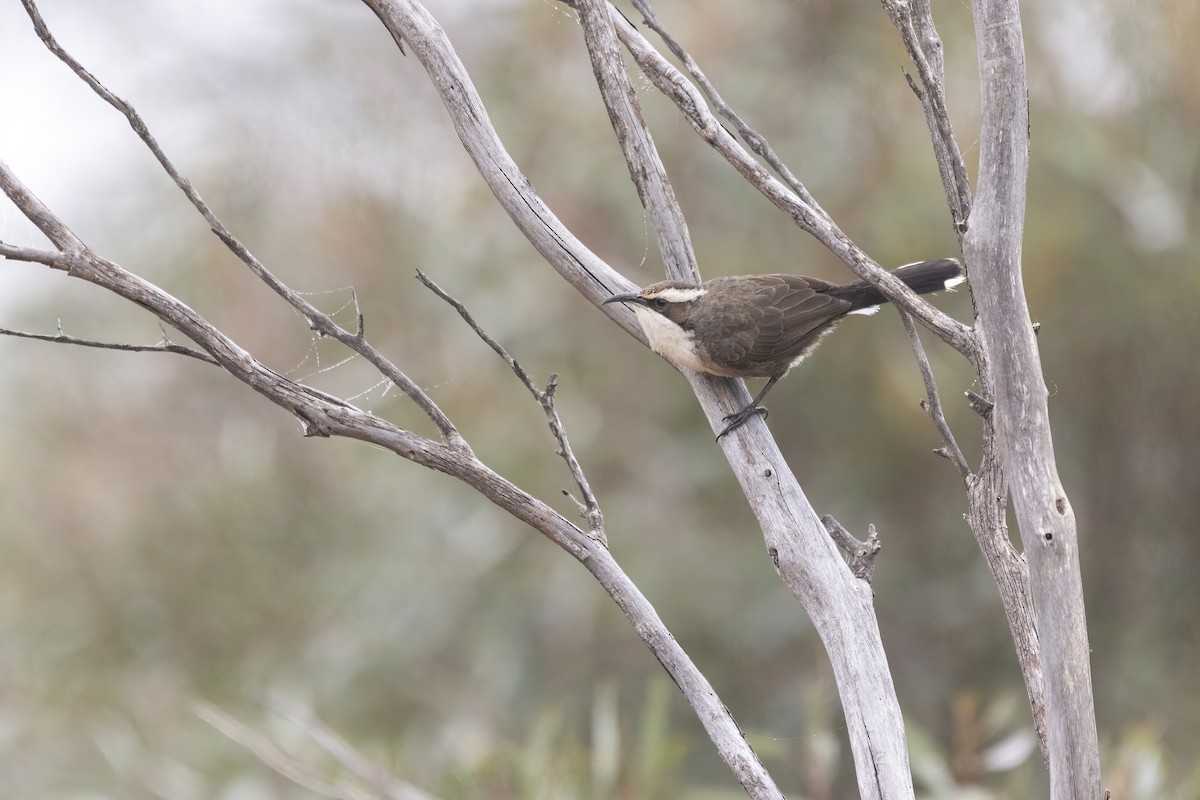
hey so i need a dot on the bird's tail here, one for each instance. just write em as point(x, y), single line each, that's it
point(922, 277)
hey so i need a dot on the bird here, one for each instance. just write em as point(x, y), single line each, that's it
point(761, 326)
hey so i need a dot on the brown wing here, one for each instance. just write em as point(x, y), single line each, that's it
point(777, 322)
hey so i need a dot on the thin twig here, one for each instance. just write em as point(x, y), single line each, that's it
point(914, 20)
point(318, 320)
point(933, 402)
point(589, 507)
point(165, 346)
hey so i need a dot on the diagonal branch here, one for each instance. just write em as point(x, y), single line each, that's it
point(933, 401)
point(409, 21)
point(757, 142)
point(589, 507)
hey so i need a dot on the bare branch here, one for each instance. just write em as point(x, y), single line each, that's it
point(646, 169)
point(323, 415)
point(987, 512)
point(40, 215)
point(589, 507)
point(987, 490)
point(498, 348)
point(933, 402)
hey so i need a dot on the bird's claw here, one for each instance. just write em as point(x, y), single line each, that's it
point(740, 418)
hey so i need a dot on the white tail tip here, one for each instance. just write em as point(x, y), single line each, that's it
point(866, 312)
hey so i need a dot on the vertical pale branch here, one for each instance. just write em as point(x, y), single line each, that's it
point(992, 247)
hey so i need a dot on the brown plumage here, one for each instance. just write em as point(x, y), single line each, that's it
point(760, 326)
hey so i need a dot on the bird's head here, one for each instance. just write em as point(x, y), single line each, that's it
point(671, 299)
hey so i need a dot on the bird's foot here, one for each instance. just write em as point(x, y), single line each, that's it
point(741, 418)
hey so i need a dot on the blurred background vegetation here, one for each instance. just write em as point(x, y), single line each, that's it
point(166, 537)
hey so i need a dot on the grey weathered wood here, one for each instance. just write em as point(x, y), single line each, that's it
point(992, 246)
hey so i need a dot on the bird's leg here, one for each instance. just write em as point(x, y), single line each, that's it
point(740, 418)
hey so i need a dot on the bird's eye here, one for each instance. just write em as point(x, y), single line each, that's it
point(660, 303)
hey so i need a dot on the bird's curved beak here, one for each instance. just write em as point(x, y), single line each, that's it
point(632, 297)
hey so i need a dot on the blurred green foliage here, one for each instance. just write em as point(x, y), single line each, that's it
point(169, 538)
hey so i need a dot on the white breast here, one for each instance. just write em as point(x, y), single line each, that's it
point(669, 340)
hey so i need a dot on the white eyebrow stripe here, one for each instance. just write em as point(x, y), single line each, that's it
point(674, 294)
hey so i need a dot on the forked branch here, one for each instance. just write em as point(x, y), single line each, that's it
point(589, 507)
